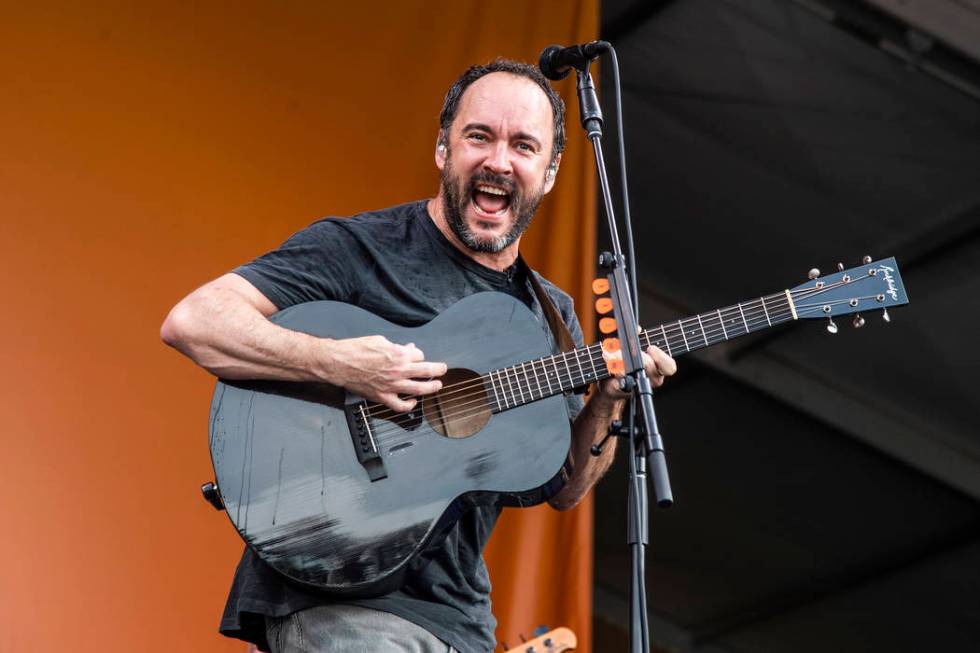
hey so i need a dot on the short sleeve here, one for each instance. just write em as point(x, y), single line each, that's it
point(313, 264)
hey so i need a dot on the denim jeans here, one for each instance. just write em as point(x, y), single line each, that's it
point(349, 629)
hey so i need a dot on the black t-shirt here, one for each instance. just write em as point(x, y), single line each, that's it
point(396, 264)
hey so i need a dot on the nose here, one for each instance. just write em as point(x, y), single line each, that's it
point(498, 159)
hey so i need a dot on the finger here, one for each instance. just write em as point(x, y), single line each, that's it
point(427, 370)
point(663, 362)
point(396, 403)
point(612, 356)
point(414, 354)
point(412, 387)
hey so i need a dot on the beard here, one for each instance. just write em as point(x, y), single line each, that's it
point(456, 196)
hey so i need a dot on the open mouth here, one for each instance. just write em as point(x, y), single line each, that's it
point(491, 200)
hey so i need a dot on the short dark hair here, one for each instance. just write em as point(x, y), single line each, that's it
point(450, 105)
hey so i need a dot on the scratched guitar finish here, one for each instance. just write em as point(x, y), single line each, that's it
point(343, 494)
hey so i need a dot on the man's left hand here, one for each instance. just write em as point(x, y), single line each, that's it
point(658, 366)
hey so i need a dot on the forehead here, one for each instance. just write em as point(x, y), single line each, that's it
point(508, 102)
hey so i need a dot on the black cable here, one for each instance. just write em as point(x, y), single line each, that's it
point(628, 224)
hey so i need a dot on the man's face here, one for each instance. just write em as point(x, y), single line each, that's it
point(494, 168)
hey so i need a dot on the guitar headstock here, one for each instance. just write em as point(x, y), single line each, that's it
point(873, 285)
point(554, 641)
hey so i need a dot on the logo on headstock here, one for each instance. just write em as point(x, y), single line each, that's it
point(890, 280)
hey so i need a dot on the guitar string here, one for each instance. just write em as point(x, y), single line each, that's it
point(480, 404)
point(479, 400)
point(674, 339)
point(482, 396)
point(380, 411)
point(676, 328)
point(591, 354)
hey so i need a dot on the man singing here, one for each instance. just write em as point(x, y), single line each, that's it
point(499, 145)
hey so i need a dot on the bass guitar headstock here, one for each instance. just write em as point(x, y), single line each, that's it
point(553, 641)
point(873, 285)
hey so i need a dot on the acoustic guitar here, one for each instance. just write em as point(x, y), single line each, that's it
point(342, 494)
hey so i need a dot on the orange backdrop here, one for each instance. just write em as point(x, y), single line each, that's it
point(148, 147)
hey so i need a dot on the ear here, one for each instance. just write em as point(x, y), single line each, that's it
point(550, 174)
point(442, 150)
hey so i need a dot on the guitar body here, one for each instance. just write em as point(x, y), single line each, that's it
point(287, 464)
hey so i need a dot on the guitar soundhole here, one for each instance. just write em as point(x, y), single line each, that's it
point(461, 408)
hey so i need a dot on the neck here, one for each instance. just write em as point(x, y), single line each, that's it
point(498, 261)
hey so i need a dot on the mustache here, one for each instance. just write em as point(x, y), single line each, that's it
point(486, 177)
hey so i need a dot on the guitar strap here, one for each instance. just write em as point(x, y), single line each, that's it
point(555, 321)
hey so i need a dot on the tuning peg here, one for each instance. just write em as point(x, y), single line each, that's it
point(858, 321)
point(885, 316)
point(831, 325)
point(866, 259)
point(840, 267)
point(813, 273)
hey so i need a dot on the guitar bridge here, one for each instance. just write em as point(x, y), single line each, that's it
point(365, 445)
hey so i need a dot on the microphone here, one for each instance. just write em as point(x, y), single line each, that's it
point(556, 62)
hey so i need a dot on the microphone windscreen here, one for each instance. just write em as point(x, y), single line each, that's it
point(549, 67)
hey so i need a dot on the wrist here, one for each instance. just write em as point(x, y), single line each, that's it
point(606, 401)
point(324, 357)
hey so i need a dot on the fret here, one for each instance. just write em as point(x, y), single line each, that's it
point(564, 359)
point(687, 347)
point(595, 373)
point(500, 403)
point(704, 336)
point(510, 386)
point(547, 377)
point(743, 318)
point(666, 340)
point(527, 380)
point(764, 310)
point(537, 379)
point(517, 380)
point(580, 370)
point(779, 308)
point(722, 322)
point(496, 394)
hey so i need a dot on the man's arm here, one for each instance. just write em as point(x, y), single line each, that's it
point(591, 425)
point(223, 327)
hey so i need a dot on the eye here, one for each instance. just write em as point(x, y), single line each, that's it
point(478, 136)
point(524, 146)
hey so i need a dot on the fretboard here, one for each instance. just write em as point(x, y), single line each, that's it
point(523, 383)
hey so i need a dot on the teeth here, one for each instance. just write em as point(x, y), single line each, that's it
point(492, 191)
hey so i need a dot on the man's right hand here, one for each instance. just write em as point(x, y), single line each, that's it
point(375, 368)
point(223, 327)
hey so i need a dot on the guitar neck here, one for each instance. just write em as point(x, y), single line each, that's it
point(533, 380)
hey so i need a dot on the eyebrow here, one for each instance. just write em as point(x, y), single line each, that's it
point(522, 136)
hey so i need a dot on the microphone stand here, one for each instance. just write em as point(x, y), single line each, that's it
point(646, 445)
